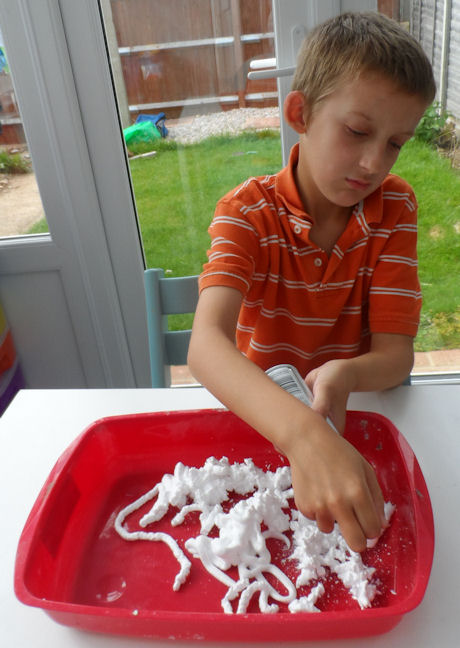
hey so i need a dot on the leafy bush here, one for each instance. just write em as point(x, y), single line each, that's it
point(433, 124)
point(439, 331)
point(13, 163)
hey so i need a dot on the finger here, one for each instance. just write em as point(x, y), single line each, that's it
point(321, 400)
point(338, 417)
point(310, 379)
point(376, 494)
point(321, 403)
point(360, 520)
point(352, 532)
point(367, 514)
point(325, 521)
point(304, 506)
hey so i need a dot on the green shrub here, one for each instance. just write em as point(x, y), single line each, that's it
point(433, 124)
point(439, 331)
point(13, 163)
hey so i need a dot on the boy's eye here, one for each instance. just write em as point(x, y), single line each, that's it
point(355, 131)
point(397, 145)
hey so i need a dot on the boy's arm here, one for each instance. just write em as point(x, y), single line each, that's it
point(331, 480)
point(387, 364)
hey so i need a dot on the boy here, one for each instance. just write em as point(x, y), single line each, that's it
point(316, 266)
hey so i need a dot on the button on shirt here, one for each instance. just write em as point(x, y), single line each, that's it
point(299, 305)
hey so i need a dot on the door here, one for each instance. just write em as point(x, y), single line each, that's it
point(73, 295)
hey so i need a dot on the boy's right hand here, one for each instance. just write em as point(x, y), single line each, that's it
point(333, 482)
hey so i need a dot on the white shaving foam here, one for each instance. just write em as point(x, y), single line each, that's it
point(241, 542)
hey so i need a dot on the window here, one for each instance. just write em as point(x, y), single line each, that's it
point(21, 208)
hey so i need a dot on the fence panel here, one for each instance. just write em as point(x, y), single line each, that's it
point(436, 38)
point(193, 55)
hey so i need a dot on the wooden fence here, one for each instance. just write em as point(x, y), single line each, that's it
point(436, 24)
point(11, 131)
point(193, 55)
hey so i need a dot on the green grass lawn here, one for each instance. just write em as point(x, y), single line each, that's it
point(437, 187)
point(177, 190)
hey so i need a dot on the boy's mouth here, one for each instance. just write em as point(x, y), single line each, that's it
point(361, 185)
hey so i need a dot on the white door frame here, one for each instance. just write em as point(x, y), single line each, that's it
point(100, 117)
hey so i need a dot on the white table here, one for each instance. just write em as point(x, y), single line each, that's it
point(40, 424)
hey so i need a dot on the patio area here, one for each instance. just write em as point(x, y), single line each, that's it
point(429, 362)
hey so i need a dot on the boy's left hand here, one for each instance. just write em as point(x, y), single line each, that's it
point(386, 364)
point(331, 385)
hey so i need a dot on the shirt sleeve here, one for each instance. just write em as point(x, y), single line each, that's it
point(395, 297)
point(234, 248)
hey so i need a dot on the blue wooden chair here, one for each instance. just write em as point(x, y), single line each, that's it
point(167, 296)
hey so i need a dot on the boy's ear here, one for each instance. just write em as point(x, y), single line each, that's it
point(295, 111)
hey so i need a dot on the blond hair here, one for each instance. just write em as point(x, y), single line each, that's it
point(351, 44)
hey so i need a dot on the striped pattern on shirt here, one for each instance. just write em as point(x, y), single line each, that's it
point(301, 306)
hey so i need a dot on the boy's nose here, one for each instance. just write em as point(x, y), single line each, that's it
point(371, 158)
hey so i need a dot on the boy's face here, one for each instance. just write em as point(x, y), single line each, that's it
point(352, 140)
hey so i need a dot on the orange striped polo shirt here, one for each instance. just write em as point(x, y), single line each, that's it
point(301, 306)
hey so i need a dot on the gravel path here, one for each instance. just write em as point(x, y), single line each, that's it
point(229, 122)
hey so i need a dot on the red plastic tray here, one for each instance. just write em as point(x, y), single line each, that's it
point(72, 563)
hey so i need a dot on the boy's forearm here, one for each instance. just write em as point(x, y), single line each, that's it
point(245, 388)
point(387, 364)
point(237, 382)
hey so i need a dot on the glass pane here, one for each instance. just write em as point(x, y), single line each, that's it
point(437, 187)
point(430, 164)
point(216, 127)
point(21, 209)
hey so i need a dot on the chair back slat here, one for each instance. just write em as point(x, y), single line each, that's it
point(179, 294)
point(177, 343)
point(167, 296)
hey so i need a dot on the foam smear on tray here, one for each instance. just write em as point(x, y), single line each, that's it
point(261, 512)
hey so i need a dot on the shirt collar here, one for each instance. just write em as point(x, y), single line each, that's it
point(372, 206)
point(286, 187)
